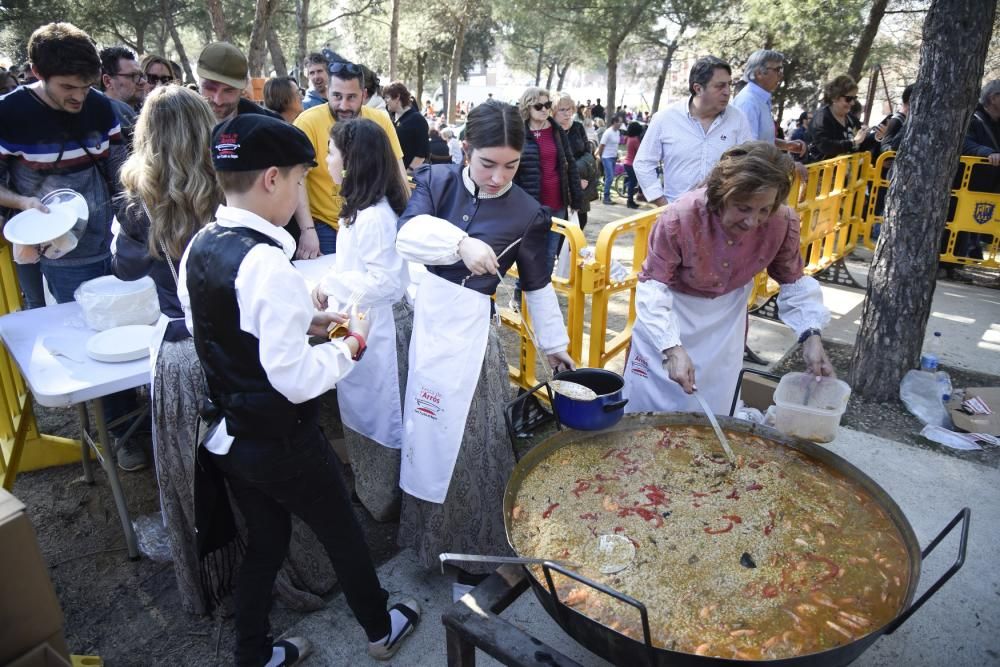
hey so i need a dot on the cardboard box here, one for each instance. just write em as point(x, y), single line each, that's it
point(42, 655)
point(757, 391)
point(977, 423)
point(29, 610)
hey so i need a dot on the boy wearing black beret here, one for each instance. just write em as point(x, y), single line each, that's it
point(249, 311)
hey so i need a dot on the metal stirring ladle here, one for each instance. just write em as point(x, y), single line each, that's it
point(715, 426)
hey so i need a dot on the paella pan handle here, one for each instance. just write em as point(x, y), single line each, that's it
point(739, 385)
point(510, 408)
point(963, 517)
point(547, 568)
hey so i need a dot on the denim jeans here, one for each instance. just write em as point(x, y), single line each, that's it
point(609, 175)
point(63, 281)
point(327, 238)
point(630, 182)
point(271, 480)
point(29, 277)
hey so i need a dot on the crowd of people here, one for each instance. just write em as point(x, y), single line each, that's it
point(211, 195)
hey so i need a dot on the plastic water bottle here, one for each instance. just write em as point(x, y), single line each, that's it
point(932, 352)
point(944, 385)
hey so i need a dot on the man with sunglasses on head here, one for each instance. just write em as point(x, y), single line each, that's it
point(764, 72)
point(123, 83)
point(690, 136)
point(319, 200)
point(223, 74)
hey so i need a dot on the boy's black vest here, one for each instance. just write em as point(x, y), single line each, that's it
point(238, 387)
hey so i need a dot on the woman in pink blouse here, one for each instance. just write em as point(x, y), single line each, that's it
point(691, 300)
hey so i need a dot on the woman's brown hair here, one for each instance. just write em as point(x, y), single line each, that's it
point(747, 169)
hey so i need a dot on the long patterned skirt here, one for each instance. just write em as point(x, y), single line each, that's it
point(471, 518)
point(178, 390)
point(375, 466)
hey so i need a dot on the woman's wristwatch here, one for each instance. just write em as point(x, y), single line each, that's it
point(362, 346)
point(807, 333)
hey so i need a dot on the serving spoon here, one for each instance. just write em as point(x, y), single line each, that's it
point(715, 426)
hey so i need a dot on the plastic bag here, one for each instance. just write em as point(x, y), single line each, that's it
point(152, 537)
point(920, 391)
point(108, 302)
point(563, 265)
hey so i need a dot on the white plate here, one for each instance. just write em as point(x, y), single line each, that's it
point(121, 343)
point(70, 199)
point(32, 227)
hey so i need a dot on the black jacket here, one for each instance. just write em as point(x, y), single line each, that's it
point(983, 135)
point(828, 138)
point(529, 173)
point(586, 163)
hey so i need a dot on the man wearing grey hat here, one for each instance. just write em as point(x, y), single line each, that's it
point(223, 74)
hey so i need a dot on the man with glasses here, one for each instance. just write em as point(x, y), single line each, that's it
point(689, 136)
point(763, 72)
point(320, 201)
point(123, 82)
point(223, 74)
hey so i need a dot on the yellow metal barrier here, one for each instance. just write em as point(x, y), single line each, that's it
point(523, 373)
point(601, 288)
point(22, 448)
point(974, 208)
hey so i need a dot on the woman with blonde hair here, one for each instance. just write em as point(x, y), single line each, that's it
point(547, 171)
point(691, 300)
point(169, 193)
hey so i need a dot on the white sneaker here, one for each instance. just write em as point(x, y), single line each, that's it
point(296, 649)
point(386, 648)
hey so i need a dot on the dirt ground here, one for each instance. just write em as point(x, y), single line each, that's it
point(129, 613)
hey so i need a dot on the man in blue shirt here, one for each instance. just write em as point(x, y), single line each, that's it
point(763, 72)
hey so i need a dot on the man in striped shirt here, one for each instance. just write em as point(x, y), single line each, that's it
point(61, 133)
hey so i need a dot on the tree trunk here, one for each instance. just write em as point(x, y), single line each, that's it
point(902, 278)
point(394, 40)
point(263, 12)
point(864, 46)
point(168, 18)
point(421, 60)
point(612, 78)
point(668, 60)
point(218, 18)
point(562, 74)
point(302, 33)
point(538, 64)
point(277, 54)
point(548, 79)
point(456, 56)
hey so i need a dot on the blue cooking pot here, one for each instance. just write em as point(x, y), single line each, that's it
point(600, 413)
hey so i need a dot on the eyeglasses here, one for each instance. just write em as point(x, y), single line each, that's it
point(349, 68)
point(779, 68)
point(135, 76)
point(850, 98)
point(540, 105)
point(157, 80)
point(565, 110)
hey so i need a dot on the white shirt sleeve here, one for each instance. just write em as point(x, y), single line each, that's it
point(647, 159)
point(800, 305)
point(655, 319)
point(427, 239)
point(744, 132)
point(275, 307)
point(547, 319)
point(375, 249)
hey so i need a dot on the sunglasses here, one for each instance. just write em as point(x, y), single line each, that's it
point(157, 80)
point(539, 106)
point(348, 68)
point(850, 98)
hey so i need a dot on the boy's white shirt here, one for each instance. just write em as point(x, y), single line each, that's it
point(276, 308)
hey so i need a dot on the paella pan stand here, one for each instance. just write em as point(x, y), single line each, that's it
point(474, 622)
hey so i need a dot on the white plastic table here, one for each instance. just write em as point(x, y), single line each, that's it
point(49, 347)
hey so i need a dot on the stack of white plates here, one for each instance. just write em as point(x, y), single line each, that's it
point(121, 343)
